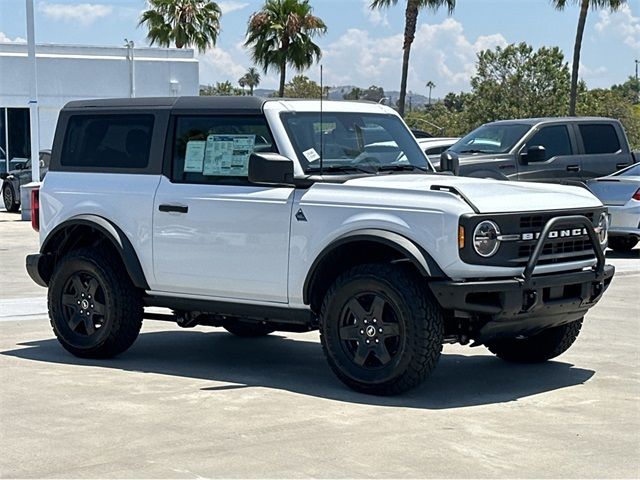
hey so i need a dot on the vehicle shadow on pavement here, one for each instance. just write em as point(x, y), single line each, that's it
point(635, 253)
point(299, 366)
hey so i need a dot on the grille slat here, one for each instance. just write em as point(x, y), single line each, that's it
point(555, 250)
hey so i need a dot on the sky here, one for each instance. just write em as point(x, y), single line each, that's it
point(364, 47)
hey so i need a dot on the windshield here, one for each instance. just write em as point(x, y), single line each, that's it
point(492, 138)
point(358, 142)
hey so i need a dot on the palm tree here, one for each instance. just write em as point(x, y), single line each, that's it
point(252, 79)
point(584, 9)
point(430, 85)
point(183, 22)
point(281, 33)
point(242, 81)
point(410, 24)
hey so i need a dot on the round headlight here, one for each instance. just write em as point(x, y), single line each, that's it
point(485, 238)
point(603, 228)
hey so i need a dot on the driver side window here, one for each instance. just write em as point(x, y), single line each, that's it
point(555, 139)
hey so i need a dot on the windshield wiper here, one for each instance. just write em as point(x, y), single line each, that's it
point(338, 168)
point(471, 150)
point(401, 168)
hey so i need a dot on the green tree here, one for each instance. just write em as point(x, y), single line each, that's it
point(456, 102)
point(354, 94)
point(582, 20)
point(629, 89)
point(518, 82)
point(411, 21)
point(281, 34)
point(430, 85)
point(221, 89)
point(252, 79)
point(184, 22)
point(302, 87)
point(373, 94)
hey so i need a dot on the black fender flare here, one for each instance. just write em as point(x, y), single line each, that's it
point(116, 236)
point(425, 264)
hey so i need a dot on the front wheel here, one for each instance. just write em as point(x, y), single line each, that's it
point(95, 310)
point(537, 348)
point(381, 330)
point(9, 199)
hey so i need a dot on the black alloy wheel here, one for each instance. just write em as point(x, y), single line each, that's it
point(83, 303)
point(370, 330)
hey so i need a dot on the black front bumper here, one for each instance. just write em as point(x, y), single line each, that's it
point(528, 304)
point(512, 307)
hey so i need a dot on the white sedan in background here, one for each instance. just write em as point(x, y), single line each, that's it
point(433, 147)
point(620, 193)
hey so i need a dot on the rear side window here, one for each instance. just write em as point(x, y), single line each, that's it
point(554, 139)
point(599, 138)
point(107, 141)
point(216, 149)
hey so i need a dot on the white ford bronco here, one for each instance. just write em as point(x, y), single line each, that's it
point(258, 215)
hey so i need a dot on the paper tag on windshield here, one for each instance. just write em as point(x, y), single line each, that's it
point(311, 154)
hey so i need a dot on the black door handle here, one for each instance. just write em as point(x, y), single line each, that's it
point(573, 168)
point(620, 166)
point(173, 208)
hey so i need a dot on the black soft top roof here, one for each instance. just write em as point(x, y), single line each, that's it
point(245, 103)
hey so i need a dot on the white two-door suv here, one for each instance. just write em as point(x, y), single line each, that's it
point(259, 215)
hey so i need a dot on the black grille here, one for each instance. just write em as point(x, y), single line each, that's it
point(563, 247)
point(538, 221)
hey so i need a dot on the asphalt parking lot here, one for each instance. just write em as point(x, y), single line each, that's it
point(202, 403)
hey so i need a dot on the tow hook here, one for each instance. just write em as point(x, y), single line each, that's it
point(530, 300)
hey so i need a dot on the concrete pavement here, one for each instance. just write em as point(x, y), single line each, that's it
point(202, 403)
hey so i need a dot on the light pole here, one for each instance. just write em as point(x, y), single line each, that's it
point(637, 84)
point(33, 95)
point(132, 67)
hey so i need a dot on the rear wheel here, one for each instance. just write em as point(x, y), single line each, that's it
point(381, 330)
point(247, 329)
point(9, 198)
point(622, 244)
point(537, 348)
point(95, 310)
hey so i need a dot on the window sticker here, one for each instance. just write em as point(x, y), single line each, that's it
point(228, 155)
point(311, 155)
point(194, 157)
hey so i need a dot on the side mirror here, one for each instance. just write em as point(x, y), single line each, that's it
point(271, 169)
point(537, 153)
point(449, 162)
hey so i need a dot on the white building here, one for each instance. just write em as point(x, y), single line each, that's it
point(72, 72)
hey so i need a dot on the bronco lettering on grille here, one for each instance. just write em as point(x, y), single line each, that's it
point(568, 233)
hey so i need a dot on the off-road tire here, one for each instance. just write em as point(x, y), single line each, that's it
point(9, 198)
point(622, 244)
point(115, 296)
point(537, 348)
point(409, 306)
point(247, 329)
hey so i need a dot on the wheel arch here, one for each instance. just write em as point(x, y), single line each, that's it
point(363, 246)
point(68, 236)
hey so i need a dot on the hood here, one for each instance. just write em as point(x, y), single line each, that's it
point(490, 196)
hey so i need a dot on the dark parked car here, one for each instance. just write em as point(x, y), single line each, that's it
point(545, 149)
point(21, 175)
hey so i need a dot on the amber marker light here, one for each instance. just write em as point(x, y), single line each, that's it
point(460, 237)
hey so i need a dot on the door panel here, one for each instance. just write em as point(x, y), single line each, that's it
point(602, 150)
point(231, 241)
point(560, 165)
